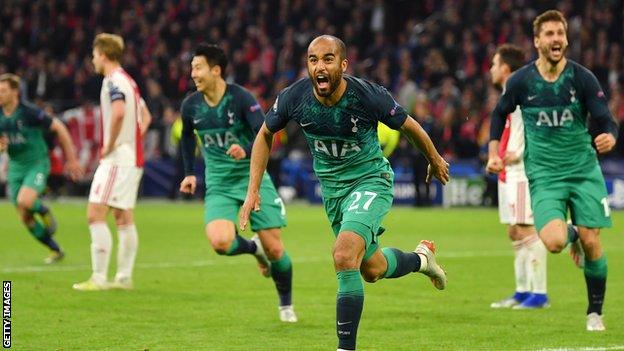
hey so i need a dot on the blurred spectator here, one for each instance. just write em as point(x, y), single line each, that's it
point(440, 48)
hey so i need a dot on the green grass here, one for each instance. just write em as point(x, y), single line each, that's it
point(188, 298)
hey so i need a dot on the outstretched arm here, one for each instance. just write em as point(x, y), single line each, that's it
point(438, 167)
point(259, 158)
point(72, 165)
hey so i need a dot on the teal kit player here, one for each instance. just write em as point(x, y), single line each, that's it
point(225, 117)
point(556, 96)
point(22, 132)
point(339, 115)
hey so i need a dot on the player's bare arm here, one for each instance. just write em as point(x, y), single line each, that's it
point(72, 165)
point(146, 118)
point(438, 167)
point(117, 114)
point(236, 152)
point(495, 163)
point(4, 143)
point(259, 159)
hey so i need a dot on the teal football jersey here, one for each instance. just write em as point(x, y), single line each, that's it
point(342, 138)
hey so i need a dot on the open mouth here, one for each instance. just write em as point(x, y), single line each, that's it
point(322, 81)
point(556, 49)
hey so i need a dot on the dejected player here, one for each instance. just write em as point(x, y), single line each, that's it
point(514, 199)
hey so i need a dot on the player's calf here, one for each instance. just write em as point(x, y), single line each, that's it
point(399, 263)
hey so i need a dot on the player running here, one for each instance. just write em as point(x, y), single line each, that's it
point(226, 117)
point(22, 132)
point(555, 95)
point(339, 115)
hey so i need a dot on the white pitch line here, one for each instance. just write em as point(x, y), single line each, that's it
point(587, 348)
point(153, 265)
point(205, 263)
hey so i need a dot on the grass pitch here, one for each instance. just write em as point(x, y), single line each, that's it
point(188, 298)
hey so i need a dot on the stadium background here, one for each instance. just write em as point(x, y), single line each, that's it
point(433, 55)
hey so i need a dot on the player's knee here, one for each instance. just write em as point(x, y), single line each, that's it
point(274, 252)
point(95, 214)
point(591, 242)
point(344, 260)
point(24, 204)
point(94, 217)
point(511, 232)
point(220, 245)
point(554, 246)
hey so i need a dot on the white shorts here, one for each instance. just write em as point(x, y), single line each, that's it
point(514, 202)
point(115, 186)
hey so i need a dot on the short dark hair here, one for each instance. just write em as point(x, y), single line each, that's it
point(213, 54)
point(548, 16)
point(511, 55)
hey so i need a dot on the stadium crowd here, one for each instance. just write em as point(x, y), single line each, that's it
point(433, 55)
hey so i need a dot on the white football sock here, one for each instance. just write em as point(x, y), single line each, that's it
point(521, 254)
point(126, 253)
point(424, 263)
point(101, 243)
point(537, 252)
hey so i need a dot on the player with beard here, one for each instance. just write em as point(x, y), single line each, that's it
point(339, 115)
point(555, 95)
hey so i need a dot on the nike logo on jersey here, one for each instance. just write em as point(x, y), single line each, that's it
point(307, 124)
point(197, 121)
point(531, 97)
